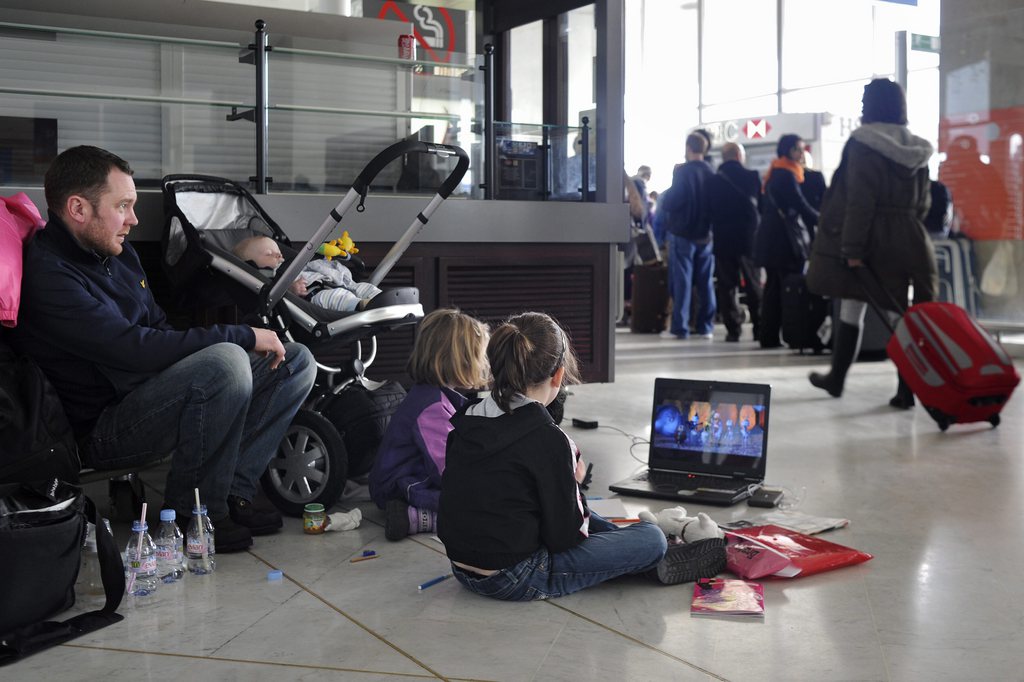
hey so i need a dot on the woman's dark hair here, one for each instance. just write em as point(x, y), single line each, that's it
point(80, 170)
point(884, 102)
point(526, 350)
point(786, 143)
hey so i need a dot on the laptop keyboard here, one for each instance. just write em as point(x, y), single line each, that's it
point(689, 481)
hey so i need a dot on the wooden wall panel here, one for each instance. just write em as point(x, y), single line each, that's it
point(490, 281)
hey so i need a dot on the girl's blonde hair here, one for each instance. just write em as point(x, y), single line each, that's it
point(526, 350)
point(449, 351)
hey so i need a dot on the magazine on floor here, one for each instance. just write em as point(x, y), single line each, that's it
point(728, 598)
point(793, 520)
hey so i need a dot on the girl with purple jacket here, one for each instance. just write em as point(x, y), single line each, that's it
point(449, 356)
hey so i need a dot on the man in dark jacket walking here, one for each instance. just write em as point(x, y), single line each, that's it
point(732, 198)
point(691, 261)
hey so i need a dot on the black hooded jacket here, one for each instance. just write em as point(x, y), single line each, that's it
point(508, 487)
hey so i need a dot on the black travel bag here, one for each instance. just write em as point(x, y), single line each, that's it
point(803, 315)
point(361, 416)
point(42, 527)
point(649, 309)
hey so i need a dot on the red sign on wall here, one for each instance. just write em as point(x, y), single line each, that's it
point(757, 128)
point(439, 31)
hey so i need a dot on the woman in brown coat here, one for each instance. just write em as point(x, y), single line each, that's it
point(872, 215)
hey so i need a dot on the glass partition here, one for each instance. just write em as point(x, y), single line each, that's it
point(164, 105)
point(542, 162)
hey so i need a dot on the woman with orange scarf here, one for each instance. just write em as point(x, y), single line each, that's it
point(773, 249)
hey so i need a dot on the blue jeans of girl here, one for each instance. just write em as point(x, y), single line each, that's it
point(609, 552)
point(221, 411)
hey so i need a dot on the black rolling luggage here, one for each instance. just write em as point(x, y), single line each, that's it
point(803, 315)
point(650, 299)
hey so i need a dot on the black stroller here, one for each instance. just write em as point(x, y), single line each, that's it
point(206, 217)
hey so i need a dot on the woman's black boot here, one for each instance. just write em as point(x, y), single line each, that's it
point(844, 352)
point(904, 398)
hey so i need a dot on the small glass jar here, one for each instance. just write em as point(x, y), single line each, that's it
point(314, 520)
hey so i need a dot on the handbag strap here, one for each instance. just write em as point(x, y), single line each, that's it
point(36, 637)
point(111, 565)
point(771, 197)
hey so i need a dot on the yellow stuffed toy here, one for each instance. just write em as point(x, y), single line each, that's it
point(343, 247)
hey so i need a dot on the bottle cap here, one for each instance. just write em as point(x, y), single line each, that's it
point(139, 526)
point(275, 575)
point(201, 509)
point(314, 508)
point(168, 515)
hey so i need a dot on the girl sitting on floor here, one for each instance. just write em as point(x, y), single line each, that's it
point(512, 518)
point(448, 357)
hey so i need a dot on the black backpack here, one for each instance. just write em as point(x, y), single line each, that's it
point(362, 416)
point(36, 440)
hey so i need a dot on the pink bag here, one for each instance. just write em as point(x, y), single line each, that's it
point(19, 220)
point(759, 551)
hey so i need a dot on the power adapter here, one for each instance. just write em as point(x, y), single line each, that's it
point(584, 423)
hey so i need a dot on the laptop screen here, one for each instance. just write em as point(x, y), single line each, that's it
point(710, 427)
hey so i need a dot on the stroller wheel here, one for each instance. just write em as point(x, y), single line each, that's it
point(310, 465)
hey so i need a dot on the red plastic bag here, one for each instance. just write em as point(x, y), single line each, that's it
point(759, 551)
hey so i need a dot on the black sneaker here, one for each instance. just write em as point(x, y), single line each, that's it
point(396, 520)
point(261, 518)
point(229, 536)
point(685, 563)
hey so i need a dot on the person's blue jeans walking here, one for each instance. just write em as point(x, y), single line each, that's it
point(691, 265)
point(607, 553)
point(221, 411)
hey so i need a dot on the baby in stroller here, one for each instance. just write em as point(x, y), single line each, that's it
point(327, 283)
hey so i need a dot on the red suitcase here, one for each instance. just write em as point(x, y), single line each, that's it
point(956, 369)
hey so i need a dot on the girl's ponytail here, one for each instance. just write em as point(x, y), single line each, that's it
point(526, 350)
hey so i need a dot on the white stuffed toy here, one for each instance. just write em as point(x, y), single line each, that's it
point(674, 522)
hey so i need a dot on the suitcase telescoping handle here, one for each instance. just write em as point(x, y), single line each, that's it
point(870, 283)
point(276, 291)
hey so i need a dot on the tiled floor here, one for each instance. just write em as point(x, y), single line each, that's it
point(942, 514)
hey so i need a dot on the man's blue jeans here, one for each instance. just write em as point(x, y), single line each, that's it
point(691, 264)
point(221, 411)
point(607, 553)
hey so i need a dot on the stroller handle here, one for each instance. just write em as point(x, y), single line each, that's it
point(275, 291)
point(362, 183)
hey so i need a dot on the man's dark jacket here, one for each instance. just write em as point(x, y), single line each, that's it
point(732, 199)
point(92, 325)
point(686, 203)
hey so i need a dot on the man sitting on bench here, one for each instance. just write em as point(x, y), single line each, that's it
point(135, 389)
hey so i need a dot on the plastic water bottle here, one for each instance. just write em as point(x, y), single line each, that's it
point(140, 562)
point(170, 551)
point(199, 544)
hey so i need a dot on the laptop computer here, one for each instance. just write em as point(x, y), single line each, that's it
point(709, 442)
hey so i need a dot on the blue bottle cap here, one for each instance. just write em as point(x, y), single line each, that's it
point(275, 575)
point(168, 515)
point(138, 526)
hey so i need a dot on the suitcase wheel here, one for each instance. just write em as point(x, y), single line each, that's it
point(940, 417)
